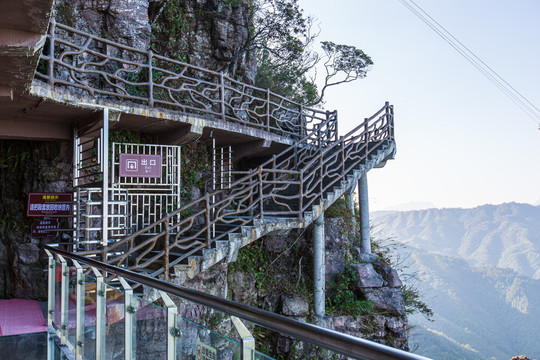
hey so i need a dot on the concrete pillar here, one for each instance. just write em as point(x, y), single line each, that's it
point(319, 267)
point(349, 199)
point(363, 201)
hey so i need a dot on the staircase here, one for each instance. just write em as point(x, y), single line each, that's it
point(288, 191)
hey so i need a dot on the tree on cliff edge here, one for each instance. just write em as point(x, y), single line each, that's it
point(283, 40)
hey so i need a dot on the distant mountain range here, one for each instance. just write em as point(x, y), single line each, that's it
point(479, 270)
point(505, 236)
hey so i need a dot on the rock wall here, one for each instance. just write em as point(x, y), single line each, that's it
point(207, 33)
point(27, 166)
point(123, 21)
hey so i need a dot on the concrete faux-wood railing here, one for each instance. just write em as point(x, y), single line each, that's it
point(288, 191)
point(83, 62)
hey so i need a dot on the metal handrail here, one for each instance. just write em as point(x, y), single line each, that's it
point(342, 343)
point(103, 68)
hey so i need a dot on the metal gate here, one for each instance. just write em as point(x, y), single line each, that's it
point(150, 174)
point(221, 167)
point(93, 197)
point(113, 200)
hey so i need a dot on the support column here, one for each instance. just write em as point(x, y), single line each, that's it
point(363, 201)
point(319, 268)
point(105, 172)
point(349, 198)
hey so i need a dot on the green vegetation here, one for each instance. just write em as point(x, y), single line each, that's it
point(343, 297)
point(196, 169)
point(14, 160)
point(279, 35)
point(414, 302)
point(170, 24)
point(283, 39)
point(14, 223)
point(64, 12)
point(266, 268)
point(127, 136)
point(339, 209)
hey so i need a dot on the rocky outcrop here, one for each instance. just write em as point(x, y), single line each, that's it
point(275, 274)
point(207, 33)
point(212, 34)
point(125, 22)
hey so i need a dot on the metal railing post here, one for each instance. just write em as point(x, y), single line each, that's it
point(300, 195)
point(100, 314)
point(336, 123)
point(64, 300)
point(248, 341)
point(50, 290)
point(208, 221)
point(321, 174)
point(105, 174)
point(166, 248)
point(172, 330)
point(302, 122)
point(342, 146)
point(79, 309)
point(129, 321)
point(261, 205)
point(390, 119)
point(51, 345)
point(366, 135)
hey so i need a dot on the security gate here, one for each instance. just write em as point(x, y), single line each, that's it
point(221, 167)
point(150, 174)
point(120, 188)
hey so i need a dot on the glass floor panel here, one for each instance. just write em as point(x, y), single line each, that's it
point(24, 346)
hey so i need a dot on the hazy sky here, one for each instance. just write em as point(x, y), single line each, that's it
point(460, 141)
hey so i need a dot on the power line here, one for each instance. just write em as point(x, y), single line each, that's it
point(508, 90)
point(478, 65)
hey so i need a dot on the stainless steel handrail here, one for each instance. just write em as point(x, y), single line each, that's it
point(341, 343)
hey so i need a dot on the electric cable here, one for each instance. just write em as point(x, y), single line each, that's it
point(508, 90)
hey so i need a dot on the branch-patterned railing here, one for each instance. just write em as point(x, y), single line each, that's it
point(287, 185)
point(106, 69)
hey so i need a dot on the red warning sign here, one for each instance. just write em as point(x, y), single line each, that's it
point(49, 204)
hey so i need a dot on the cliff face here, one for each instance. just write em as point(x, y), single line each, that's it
point(207, 33)
point(27, 167)
point(122, 21)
